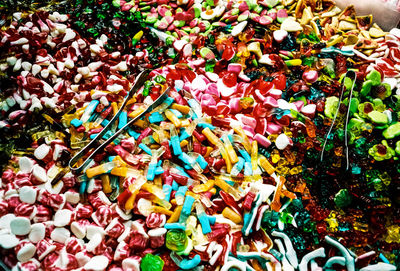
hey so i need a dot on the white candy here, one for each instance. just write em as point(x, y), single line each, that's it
point(60, 235)
point(282, 141)
point(27, 194)
point(92, 231)
point(20, 226)
point(37, 233)
point(280, 35)
point(41, 151)
point(72, 197)
point(62, 218)
point(8, 241)
point(97, 263)
point(25, 164)
point(78, 230)
point(39, 173)
point(130, 264)
point(26, 253)
point(238, 28)
point(94, 242)
point(5, 221)
point(69, 35)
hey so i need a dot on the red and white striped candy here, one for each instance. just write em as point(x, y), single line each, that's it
point(7, 176)
point(98, 199)
point(157, 237)
point(73, 245)
point(155, 220)
point(43, 248)
point(115, 228)
point(83, 211)
point(31, 265)
point(122, 251)
point(56, 201)
point(102, 216)
point(25, 210)
point(43, 214)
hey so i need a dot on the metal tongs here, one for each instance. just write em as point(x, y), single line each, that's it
point(347, 75)
point(141, 78)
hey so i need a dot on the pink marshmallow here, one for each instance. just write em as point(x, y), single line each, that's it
point(208, 100)
point(275, 93)
point(212, 89)
point(310, 76)
point(273, 128)
point(269, 101)
point(234, 67)
point(309, 110)
point(234, 105)
point(262, 140)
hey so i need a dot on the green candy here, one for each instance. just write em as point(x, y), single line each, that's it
point(342, 198)
point(397, 150)
point(392, 131)
point(378, 117)
point(354, 105)
point(206, 53)
point(176, 240)
point(151, 262)
point(382, 151)
point(271, 3)
point(366, 88)
point(331, 106)
point(348, 83)
point(375, 77)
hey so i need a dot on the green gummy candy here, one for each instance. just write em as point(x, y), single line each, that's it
point(354, 123)
point(366, 88)
point(331, 105)
point(392, 131)
point(151, 262)
point(348, 83)
point(342, 198)
point(375, 77)
point(397, 150)
point(378, 117)
point(176, 240)
point(354, 105)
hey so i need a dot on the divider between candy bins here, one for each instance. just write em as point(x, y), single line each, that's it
point(273, 145)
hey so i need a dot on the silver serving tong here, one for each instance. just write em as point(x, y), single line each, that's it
point(347, 117)
point(142, 77)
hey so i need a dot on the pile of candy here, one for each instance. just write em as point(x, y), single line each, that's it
point(264, 136)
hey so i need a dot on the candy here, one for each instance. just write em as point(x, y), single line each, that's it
point(20, 226)
point(269, 86)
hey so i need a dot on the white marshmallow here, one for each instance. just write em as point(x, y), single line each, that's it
point(62, 217)
point(282, 141)
point(37, 233)
point(94, 242)
point(26, 253)
point(97, 263)
point(27, 194)
point(5, 221)
point(25, 164)
point(20, 226)
point(60, 235)
point(8, 241)
point(41, 151)
point(39, 173)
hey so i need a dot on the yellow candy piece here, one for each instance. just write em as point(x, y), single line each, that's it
point(232, 215)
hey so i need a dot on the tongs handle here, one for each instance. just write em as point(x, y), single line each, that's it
point(142, 77)
point(347, 117)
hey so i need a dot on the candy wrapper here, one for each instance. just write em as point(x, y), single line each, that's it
point(386, 13)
